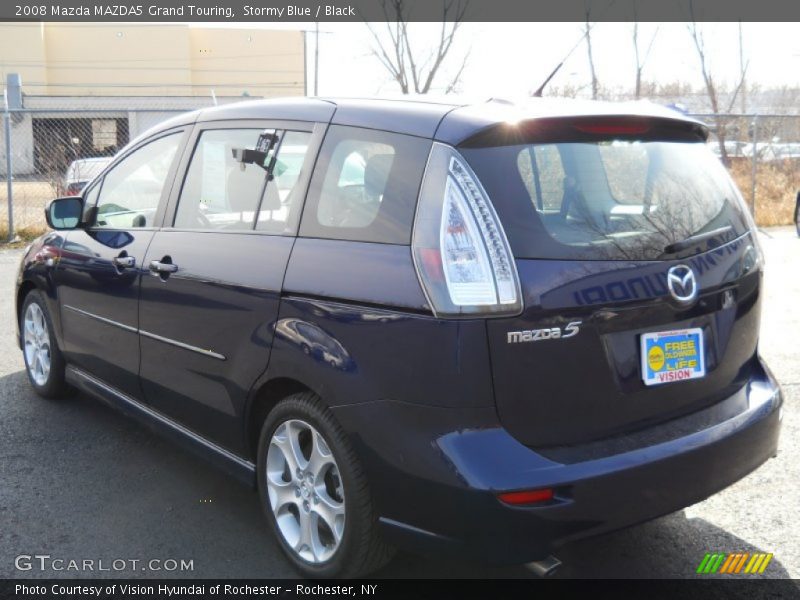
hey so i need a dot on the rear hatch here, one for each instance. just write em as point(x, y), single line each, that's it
point(599, 212)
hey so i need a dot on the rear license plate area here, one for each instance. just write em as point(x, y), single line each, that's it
point(671, 356)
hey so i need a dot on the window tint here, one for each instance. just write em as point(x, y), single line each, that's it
point(90, 199)
point(607, 199)
point(219, 192)
point(282, 202)
point(351, 196)
point(365, 186)
point(626, 166)
point(131, 191)
point(543, 175)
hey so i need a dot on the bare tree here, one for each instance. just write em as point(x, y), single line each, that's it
point(641, 60)
point(414, 71)
point(588, 35)
point(720, 112)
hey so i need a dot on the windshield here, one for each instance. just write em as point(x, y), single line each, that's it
point(609, 199)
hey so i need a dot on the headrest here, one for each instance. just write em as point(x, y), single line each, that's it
point(243, 188)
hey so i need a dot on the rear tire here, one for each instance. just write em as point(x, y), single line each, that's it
point(315, 494)
point(44, 363)
point(797, 214)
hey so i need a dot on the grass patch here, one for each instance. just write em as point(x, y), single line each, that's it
point(777, 184)
point(23, 236)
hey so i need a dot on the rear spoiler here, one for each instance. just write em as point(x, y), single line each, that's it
point(588, 129)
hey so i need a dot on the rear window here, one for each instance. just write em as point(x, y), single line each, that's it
point(608, 199)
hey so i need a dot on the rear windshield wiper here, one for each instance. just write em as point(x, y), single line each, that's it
point(695, 239)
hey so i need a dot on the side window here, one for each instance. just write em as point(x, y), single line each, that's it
point(131, 191)
point(365, 186)
point(90, 198)
point(352, 195)
point(280, 208)
point(219, 192)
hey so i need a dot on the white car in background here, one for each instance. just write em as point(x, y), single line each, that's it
point(82, 171)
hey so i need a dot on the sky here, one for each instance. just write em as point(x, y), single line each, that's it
point(512, 59)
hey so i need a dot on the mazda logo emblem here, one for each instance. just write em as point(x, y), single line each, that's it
point(682, 284)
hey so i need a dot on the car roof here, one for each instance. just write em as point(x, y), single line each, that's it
point(85, 169)
point(450, 119)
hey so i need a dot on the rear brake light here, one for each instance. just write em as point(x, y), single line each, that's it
point(614, 127)
point(74, 189)
point(526, 497)
point(460, 249)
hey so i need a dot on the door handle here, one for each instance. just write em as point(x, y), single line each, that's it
point(124, 262)
point(162, 268)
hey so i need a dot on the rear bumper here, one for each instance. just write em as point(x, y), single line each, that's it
point(436, 489)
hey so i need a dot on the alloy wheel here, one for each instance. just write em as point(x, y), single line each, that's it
point(305, 491)
point(37, 344)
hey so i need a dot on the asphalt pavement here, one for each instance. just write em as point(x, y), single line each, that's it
point(79, 482)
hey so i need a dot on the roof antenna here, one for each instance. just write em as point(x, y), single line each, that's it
point(540, 89)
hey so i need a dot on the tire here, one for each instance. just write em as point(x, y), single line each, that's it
point(340, 491)
point(797, 214)
point(44, 363)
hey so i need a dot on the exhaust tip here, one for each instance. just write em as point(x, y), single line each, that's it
point(545, 567)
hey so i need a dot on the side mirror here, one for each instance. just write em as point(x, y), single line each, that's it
point(64, 213)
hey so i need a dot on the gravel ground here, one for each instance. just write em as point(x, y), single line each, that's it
point(79, 481)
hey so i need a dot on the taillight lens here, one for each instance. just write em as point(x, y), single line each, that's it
point(460, 249)
point(526, 497)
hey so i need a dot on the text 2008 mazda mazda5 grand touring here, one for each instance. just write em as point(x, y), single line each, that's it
point(485, 329)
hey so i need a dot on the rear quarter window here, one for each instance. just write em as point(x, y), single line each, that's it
point(365, 186)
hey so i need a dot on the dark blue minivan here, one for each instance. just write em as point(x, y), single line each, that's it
point(485, 329)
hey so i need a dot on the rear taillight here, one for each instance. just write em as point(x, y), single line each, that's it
point(460, 249)
point(74, 189)
point(527, 497)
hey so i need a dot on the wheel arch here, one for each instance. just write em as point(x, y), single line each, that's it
point(25, 288)
point(263, 399)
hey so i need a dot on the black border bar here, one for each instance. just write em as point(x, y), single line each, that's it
point(380, 10)
point(745, 588)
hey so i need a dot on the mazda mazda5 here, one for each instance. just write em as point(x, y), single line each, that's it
point(483, 329)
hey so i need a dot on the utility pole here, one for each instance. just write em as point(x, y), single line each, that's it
point(743, 90)
point(316, 58)
point(9, 192)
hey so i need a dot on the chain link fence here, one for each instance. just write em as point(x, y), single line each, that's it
point(54, 150)
point(762, 153)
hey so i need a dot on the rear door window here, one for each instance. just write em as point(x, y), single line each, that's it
point(365, 186)
point(280, 209)
point(221, 193)
point(218, 192)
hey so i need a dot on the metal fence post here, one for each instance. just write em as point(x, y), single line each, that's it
point(754, 169)
point(9, 184)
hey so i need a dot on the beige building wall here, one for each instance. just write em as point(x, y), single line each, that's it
point(22, 51)
point(87, 59)
point(257, 61)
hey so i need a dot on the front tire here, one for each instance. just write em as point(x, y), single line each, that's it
point(44, 362)
point(315, 494)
